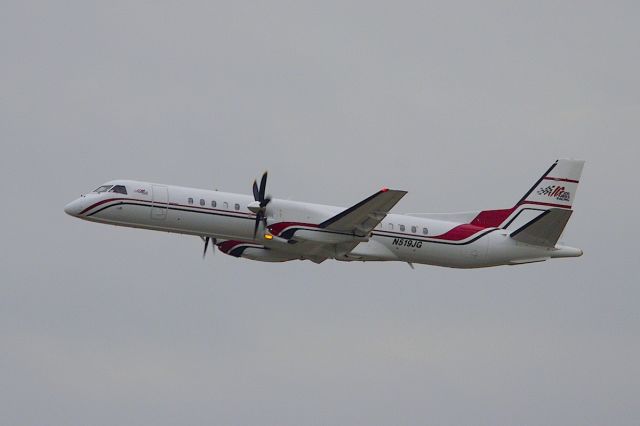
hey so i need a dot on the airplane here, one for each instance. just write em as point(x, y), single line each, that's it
point(276, 230)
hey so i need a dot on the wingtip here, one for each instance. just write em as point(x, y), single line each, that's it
point(385, 189)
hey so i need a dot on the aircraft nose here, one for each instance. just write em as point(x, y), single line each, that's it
point(74, 208)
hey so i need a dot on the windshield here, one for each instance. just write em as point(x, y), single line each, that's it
point(119, 189)
point(103, 188)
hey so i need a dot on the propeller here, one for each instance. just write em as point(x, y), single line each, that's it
point(259, 196)
point(206, 245)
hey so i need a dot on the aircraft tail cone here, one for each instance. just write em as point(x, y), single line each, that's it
point(566, 251)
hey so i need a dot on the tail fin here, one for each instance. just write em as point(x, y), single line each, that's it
point(557, 187)
point(544, 211)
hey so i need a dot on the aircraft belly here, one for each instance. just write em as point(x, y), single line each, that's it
point(372, 250)
point(466, 255)
point(470, 255)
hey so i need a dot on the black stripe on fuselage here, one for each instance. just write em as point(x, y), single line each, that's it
point(289, 233)
point(375, 233)
point(453, 243)
point(171, 207)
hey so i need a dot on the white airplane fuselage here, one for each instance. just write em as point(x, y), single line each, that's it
point(292, 231)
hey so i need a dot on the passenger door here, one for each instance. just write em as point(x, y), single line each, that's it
point(159, 202)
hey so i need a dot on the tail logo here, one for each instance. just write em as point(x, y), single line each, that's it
point(557, 192)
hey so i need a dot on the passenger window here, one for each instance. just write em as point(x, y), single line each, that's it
point(413, 229)
point(119, 189)
point(425, 231)
point(190, 200)
point(237, 206)
point(201, 201)
point(226, 205)
point(391, 226)
point(402, 227)
point(213, 203)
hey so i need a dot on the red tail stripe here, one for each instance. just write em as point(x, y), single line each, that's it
point(459, 233)
point(561, 179)
point(538, 203)
point(495, 218)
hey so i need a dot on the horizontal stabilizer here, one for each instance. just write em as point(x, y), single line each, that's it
point(545, 230)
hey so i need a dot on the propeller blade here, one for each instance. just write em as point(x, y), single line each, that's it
point(256, 193)
point(259, 217)
point(206, 244)
point(259, 195)
point(263, 187)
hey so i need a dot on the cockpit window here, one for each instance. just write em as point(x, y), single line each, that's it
point(103, 188)
point(119, 189)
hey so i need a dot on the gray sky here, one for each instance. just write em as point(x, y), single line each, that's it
point(463, 104)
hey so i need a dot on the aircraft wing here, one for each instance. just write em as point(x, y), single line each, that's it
point(361, 218)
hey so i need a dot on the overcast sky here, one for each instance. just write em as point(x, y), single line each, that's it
point(463, 104)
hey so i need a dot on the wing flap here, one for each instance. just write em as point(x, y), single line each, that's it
point(362, 217)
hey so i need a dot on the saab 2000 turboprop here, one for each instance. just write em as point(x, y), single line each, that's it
point(275, 230)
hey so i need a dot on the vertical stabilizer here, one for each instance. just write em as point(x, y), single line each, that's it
point(545, 209)
point(557, 187)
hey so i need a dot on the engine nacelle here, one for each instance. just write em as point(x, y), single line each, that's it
point(326, 237)
point(253, 251)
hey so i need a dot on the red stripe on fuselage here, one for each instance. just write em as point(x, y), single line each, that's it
point(99, 203)
point(277, 228)
point(495, 218)
point(457, 233)
point(156, 203)
point(492, 218)
point(484, 220)
point(227, 246)
point(460, 232)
